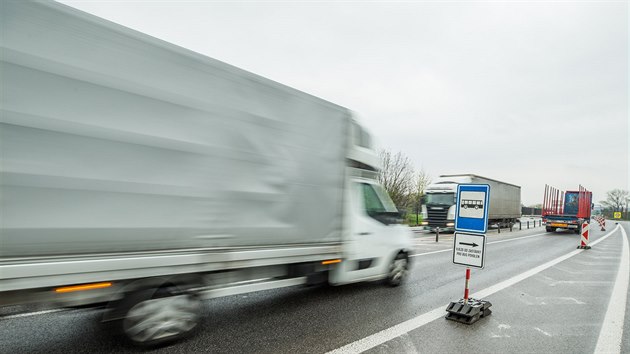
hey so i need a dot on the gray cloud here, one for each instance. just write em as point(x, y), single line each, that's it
point(526, 92)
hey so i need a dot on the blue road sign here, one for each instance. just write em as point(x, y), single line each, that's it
point(471, 212)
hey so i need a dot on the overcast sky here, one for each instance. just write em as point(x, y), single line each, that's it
point(524, 92)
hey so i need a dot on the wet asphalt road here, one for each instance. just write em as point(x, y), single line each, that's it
point(558, 310)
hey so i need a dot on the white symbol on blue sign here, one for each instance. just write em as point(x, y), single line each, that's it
point(472, 208)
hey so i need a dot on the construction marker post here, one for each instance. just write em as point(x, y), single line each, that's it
point(603, 224)
point(584, 239)
point(467, 283)
point(469, 244)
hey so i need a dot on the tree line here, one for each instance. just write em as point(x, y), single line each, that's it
point(404, 183)
point(616, 200)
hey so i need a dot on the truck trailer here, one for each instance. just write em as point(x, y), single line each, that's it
point(566, 210)
point(438, 209)
point(146, 177)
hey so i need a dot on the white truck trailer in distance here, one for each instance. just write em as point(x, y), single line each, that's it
point(145, 176)
point(438, 209)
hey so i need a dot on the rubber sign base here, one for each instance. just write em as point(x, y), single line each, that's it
point(468, 311)
point(584, 247)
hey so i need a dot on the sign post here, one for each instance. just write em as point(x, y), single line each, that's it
point(469, 244)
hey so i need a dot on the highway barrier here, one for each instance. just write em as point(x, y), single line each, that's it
point(584, 239)
point(602, 222)
point(533, 224)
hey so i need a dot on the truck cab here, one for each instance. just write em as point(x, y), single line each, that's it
point(377, 244)
point(438, 207)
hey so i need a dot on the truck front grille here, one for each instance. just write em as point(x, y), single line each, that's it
point(437, 217)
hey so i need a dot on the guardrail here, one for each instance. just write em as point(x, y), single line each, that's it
point(527, 224)
point(534, 222)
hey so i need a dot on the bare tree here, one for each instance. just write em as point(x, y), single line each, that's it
point(616, 200)
point(422, 181)
point(397, 176)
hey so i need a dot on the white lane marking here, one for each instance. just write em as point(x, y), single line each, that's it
point(543, 332)
point(28, 314)
point(432, 252)
point(517, 238)
point(610, 335)
point(489, 243)
point(398, 330)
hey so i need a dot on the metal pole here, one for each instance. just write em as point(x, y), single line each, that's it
point(544, 206)
point(528, 224)
point(520, 225)
point(466, 288)
point(437, 234)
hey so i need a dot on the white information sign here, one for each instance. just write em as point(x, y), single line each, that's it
point(469, 249)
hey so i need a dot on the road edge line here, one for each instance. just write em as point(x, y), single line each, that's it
point(611, 333)
point(378, 338)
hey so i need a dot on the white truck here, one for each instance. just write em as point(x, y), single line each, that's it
point(438, 207)
point(147, 177)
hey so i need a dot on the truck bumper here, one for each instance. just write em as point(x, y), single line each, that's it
point(562, 225)
point(449, 226)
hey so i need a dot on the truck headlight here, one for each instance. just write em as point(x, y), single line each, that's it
point(451, 213)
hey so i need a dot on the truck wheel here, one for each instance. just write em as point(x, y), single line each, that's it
point(398, 270)
point(154, 317)
point(549, 229)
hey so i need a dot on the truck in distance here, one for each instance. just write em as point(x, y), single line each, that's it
point(145, 176)
point(438, 207)
point(566, 210)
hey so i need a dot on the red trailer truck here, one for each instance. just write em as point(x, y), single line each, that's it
point(566, 210)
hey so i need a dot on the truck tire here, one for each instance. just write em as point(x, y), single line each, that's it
point(155, 317)
point(398, 270)
point(549, 229)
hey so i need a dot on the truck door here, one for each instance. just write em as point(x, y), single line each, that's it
point(368, 250)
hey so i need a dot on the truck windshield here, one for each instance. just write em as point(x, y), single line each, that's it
point(440, 198)
point(379, 205)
